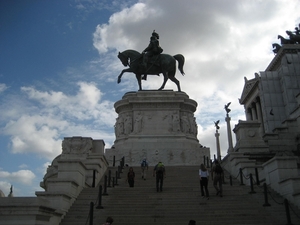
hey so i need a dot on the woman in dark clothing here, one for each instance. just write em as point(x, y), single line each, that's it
point(130, 177)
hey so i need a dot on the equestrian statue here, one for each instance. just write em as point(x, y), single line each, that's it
point(151, 62)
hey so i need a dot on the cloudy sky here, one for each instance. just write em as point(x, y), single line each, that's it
point(59, 68)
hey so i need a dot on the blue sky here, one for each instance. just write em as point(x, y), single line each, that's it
point(59, 68)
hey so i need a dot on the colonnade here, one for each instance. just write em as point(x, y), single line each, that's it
point(253, 111)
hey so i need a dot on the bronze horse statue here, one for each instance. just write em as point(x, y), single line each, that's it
point(293, 37)
point(276, 47)
point(163, 63)
point(284, 41)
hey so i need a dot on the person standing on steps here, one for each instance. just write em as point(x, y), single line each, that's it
point(108, 221)
point(130, 177)
point(203, 176)
point(160, 173)
point(144, 168)
point(217, 174)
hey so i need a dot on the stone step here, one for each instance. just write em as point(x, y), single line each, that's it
point(179, 202)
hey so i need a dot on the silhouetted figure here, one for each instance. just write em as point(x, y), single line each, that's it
point(160, 173)
point(152, 50)
point(130, 177)
point(108, 221)
point(217, 173)
point(226, 107)
point(11, 192)
point(217, 124)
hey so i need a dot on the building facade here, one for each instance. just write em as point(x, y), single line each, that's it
point(269, 139)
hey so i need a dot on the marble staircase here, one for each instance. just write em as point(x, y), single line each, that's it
point(179, 202)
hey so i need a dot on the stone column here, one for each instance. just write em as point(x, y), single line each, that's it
point(230, 145)
point(253, 112)
point(259, 115)
point(248, 115)
point(217, 135)
point(258, 111)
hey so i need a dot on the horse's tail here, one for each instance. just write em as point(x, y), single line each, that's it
point(180, 59)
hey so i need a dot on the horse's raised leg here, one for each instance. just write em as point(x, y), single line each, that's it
point(119, 77)
point(121, 74)
point(165, 80)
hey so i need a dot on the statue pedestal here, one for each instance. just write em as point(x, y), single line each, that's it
point(159, 126)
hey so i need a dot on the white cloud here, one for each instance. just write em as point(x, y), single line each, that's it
point(35, 134)
point(222, 43)
point(40, 125)
point(82, 106)
point(25, 177)
point(23, 166)
point(3, 87)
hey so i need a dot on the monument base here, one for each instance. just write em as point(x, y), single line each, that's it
point(159, 126)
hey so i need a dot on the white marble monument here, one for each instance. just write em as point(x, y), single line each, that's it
point(159, 126)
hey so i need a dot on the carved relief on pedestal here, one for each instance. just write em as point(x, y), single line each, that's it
point(157, 125)
point(128, 124)
point(175, 121)
point(77, 145)
point(194, 126)
point(119, 126)
point(251, 133)
point(185, 124)
point(138, 123)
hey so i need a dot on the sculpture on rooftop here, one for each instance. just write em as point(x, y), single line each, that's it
point(11, 192)
point(294, 38)
point(276, 47)
point(226, 107)
point(151, 62)
point(217, 124)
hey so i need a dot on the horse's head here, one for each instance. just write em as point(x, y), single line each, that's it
point(288, 32)
point(123, 58)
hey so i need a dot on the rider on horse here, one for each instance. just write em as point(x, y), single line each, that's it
point(152, 50)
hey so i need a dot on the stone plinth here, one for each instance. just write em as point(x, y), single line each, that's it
point(72, 171)
point(159, 126)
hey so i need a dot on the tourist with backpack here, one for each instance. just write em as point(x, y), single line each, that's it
point(144, 167)
point(203, 176)
point(130, 177)
point(217, 174)
point(160, 173)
